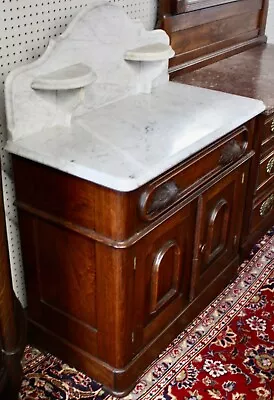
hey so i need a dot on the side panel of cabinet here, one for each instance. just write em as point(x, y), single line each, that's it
point(219, 223)
point(163, 269)
point(61, 281)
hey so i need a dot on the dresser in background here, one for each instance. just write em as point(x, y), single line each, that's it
point(250, 74)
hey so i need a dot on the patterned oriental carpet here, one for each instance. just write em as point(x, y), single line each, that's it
point(226, 353)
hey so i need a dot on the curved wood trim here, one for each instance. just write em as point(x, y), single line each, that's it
point(156, 304)
point(232, 151)
point(211, 253)
point(162, 196)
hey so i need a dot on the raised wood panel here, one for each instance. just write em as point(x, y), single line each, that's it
point(217, 234)
point(68, 260)
point(197, 58)
point(163, 269)
point(219, 218)
point(191, 5)
point(217, 31)
point(60, 281)
point(212, 32)
point(165, 275)
point(184, 21)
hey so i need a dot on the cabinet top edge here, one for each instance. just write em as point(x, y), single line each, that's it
point(126, 144)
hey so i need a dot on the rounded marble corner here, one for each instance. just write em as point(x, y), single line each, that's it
point(73, 77)
point(150, 52)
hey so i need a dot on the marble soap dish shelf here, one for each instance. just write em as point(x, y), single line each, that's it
point(73, 77)
point(150, 52)
point(102, 58)
point(80, 75)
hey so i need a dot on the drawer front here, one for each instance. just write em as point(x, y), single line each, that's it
point(268, 135)
point(266, 172)
point(263, 212)
point(162, 194)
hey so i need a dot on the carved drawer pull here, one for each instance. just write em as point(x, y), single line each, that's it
point(232, 152)
point(272, 126)
point(267, 205)
point(270, 166)
point(163, 196)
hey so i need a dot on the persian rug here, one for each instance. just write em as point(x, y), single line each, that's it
point(226, 353)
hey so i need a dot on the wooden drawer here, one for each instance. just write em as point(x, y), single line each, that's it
point(266, 172)
point(267, 135)
point(263, 212)
point(162, 194)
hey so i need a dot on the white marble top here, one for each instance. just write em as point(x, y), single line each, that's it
point(125, 144)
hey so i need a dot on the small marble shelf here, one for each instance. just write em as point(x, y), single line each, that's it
point(73, 77)
point(151, 52)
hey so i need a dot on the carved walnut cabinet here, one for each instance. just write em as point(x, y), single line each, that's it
point(114, 275)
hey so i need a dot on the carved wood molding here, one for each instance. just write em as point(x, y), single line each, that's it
point(154, 202)
point(232, 152)
point(155, 302)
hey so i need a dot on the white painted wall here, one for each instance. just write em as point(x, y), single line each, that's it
point(270, 22)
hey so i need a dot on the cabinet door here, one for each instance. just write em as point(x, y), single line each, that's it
point(163, 270)
point(219, 222)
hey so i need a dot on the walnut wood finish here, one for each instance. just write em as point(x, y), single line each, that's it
point(112, 277)
point(12, 326)
point(206, 34)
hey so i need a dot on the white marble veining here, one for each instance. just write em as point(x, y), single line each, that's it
point(99, 37)
point(125, 144)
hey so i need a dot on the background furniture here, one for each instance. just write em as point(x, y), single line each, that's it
point(206, 35)
point(250, 74)
point(12, 323)
point(211, 30)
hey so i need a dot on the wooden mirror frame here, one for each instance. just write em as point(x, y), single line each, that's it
point(173, 7)
point(181, 6)
point(205, 31)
